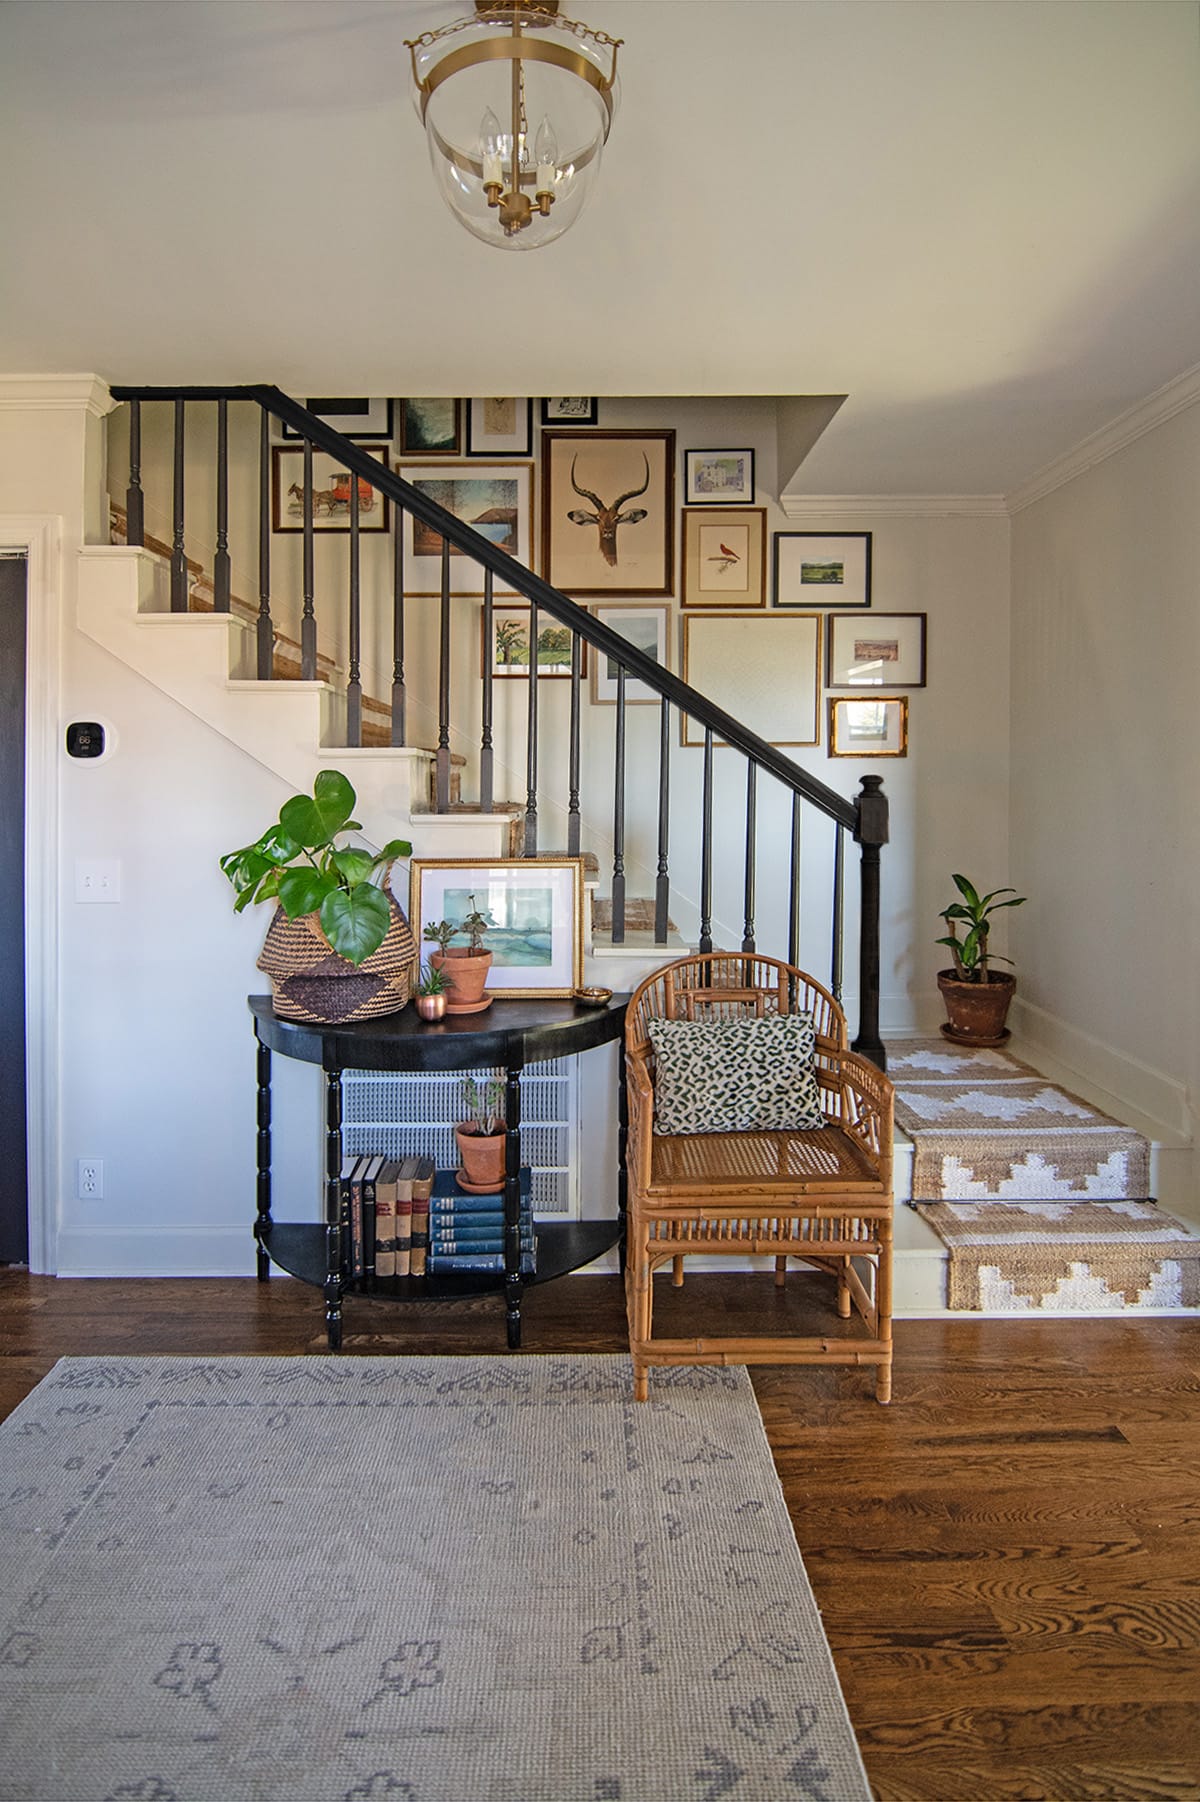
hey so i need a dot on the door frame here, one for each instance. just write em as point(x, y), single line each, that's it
point(40, 537)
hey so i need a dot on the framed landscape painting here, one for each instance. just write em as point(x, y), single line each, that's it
point(430, 428)
point(496, 499)
point(822, 569)
point(885, 651)
point(724, 557)
point(646, 628)
point(535, 905)
point(509, 649)
point(608, 512)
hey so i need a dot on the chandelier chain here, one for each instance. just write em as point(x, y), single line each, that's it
point(572, 27)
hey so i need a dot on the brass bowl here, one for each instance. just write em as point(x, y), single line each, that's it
point(594, 997)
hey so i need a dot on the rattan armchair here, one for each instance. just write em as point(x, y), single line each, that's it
point(821, 1196)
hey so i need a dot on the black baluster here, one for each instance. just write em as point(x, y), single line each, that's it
point(179, 571)
point(574, 822)
point(308, 619)
point(512, 1204)
point(871, 832)
point(354, 685)
point(135, 507)
point(751, 833)
point(486, 755)
point(263, 1222)
point(662, 887)
point(442, 763)
point(399, 733)
point(221, 573)
point(839, 849)
point(531, 742)
point(334, 1248)
point(618, 875)
point(793, 955)
point(706, 811)
point(265, 634)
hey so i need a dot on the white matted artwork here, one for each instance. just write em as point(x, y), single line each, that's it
point(876, 650)
point(763, 668)
point(495, 499)
point(868, 726)
point(646, 630)
point(534, 904)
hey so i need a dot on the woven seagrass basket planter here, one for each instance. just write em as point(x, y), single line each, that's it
point(312, 982)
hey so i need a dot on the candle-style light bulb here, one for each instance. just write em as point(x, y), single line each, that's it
point(545, 149)
point(489, 149)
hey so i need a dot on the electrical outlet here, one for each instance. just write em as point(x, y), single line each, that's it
point(89, 1179)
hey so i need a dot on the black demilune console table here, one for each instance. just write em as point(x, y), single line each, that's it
point(510, 1034)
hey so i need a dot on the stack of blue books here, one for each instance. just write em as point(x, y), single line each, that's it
point(466, 1232)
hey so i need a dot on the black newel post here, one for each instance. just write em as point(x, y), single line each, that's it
point(870, 833)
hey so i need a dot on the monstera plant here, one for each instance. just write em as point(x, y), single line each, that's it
point(299, 863)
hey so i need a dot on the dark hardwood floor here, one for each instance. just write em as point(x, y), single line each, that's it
point(1007, 1559)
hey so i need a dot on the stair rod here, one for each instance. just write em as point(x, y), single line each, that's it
point(179, 571)
point(662, 884)
point(751, 834)
point(531, 740)
point(221, 569)
point(793, 952)
point(573, 763)
point(486, 752)
point(308, 620)
point(399, 706)
point(839, 863)
point(618, 875)
point(354, 683)
point(442, 766)
point(264, 633)
point(706, 943)
point(135, 500)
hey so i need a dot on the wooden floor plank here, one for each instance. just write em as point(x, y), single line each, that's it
point(1007, 1559)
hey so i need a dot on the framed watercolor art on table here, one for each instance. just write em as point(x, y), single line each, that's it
point(535, 905)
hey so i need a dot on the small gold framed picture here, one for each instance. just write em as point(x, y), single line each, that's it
point(870, 726)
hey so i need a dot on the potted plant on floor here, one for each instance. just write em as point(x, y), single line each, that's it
point(338, 948)
point(480, 1137)
point(465, 967)
point(977, 997)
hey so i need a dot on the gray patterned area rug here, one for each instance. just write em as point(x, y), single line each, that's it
point(405, 1580)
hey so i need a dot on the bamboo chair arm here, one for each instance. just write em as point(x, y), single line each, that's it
point(865, 1099)
point(639, 1090)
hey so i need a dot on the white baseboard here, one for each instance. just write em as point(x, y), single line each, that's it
point(1118, 1083)
point(156, 1251)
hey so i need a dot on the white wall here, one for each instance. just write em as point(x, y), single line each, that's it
point(1106, 769)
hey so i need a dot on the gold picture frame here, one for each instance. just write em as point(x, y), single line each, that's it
point(594, 541)
point(724, 557)
point(868, 725)
point(760, 667)
point(537, 942)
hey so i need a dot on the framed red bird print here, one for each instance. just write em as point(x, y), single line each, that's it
point(724, 557)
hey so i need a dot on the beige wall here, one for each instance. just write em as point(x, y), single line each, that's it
point(1106, 768)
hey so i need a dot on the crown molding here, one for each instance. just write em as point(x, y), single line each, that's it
point(894, 506)
point(56, 393)
point(1174, 397)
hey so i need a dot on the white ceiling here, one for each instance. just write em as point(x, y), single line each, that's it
point(978, 219)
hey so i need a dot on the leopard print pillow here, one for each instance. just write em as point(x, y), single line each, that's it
point(735, 1075)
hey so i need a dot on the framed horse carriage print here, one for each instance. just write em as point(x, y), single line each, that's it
point(608, 512)
point(331, 494)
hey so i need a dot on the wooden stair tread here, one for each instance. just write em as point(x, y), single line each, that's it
point(639, 915)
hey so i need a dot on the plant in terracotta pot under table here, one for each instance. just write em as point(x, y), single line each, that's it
point(481, 1137)
point(977, 997)
point(465, 967)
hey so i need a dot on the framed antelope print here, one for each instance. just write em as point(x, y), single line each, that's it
point(608, 512)
point(724, 557)
point(330, 492)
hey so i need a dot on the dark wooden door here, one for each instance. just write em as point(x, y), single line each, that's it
point(14, 1209)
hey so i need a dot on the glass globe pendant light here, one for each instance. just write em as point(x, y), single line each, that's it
point(516, 102)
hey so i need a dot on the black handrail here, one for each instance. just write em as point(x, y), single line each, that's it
point(723, 726)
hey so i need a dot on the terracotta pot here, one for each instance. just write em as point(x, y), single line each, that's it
point(431, 1007)
point(976, 1011)
point(481, 1158)
point(466, 973)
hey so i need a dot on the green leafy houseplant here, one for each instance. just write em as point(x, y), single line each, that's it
point(433, 980)
point(974, 911)
point(484, 1102)
point(299, 863)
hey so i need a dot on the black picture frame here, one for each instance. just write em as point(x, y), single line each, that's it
point(584, 411)
point(357, 418)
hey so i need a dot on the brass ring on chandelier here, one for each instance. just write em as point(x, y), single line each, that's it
point(455, 154)
point(520, 50)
